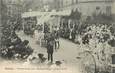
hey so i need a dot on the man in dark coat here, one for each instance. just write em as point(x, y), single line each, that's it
point(50, 46)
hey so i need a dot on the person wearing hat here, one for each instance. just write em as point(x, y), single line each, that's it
point(50, 47)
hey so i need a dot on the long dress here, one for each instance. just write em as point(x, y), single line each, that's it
point(41, 37)
point(36, 34)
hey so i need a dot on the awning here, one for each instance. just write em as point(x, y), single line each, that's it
point(36, 14)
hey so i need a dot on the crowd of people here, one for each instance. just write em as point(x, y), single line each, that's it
point(99, 32)
point(12, 47)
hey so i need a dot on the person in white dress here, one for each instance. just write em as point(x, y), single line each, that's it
point(41, 37)
point(36, 34)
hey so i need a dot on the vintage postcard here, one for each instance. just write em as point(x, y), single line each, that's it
point(57, 36)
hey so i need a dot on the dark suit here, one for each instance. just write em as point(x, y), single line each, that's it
point(50, 50)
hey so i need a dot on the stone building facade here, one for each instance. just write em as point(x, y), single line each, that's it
point(87, 7)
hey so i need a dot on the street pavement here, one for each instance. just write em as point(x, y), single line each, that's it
point(67, 52)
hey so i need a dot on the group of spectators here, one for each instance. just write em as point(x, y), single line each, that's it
point(102, 32)
point(12, 47)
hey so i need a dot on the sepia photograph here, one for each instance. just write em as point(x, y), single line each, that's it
point(57, 36)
